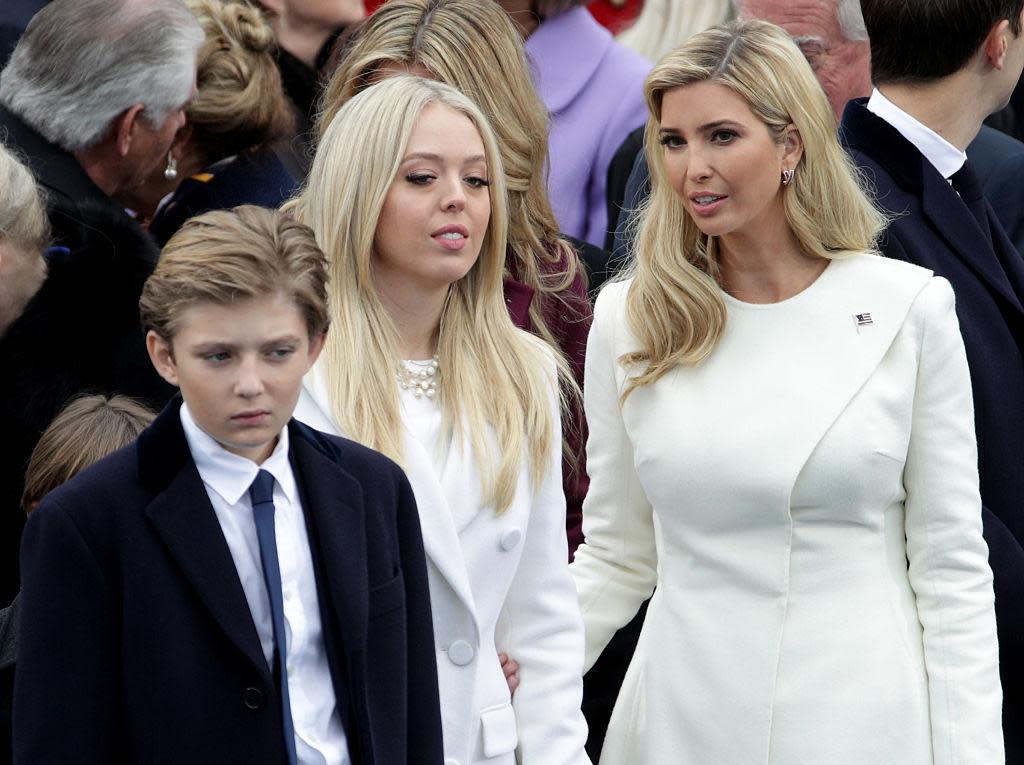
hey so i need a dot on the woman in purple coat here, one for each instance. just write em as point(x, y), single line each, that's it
point(593, 88)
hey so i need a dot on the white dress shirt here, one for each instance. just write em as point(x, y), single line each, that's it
point(944, 156)
point(319, 735)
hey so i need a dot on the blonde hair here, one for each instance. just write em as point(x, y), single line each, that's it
point(474, 47)
point(674, 304)
point(664, 24)
point(87, 429)
point(493, 374)
point(25, 230)
point(240, 102)
point(227, 255)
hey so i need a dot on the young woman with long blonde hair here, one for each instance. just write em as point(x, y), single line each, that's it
point(475, 48)
point(407, 199)
point(792, 412)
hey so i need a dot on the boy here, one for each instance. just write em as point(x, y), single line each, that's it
point(233, 587)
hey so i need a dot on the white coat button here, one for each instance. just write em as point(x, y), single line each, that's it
point(461, 653)
point(510, 539)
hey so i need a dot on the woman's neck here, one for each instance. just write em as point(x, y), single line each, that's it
point(767, 267)
point(416, 315)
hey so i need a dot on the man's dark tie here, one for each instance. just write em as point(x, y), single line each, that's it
point(967, 185)
point(262, 495)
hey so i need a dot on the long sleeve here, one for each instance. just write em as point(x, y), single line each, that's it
point(546, 634)
point(67, 700)
point(948, 558)
point(615, 570)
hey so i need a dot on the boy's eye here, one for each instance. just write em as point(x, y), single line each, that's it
point(281, 353)
point(217, 356)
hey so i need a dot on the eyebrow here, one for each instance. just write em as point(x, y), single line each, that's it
point(208, 345)
point(439, 158)
point(706, 128)
point(804, 39)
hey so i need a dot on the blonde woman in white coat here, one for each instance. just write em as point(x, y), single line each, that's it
point(407, 198)
point(781, 437)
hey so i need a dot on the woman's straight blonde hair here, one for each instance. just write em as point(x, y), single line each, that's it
point(664, 24)
point(674, 305)
point(474, 47)
point(494, 375)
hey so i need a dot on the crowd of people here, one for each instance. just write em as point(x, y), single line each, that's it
point(482, 382)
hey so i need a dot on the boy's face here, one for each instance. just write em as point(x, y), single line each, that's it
point(239, 368)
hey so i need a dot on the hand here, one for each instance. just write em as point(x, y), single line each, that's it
point(511, 670)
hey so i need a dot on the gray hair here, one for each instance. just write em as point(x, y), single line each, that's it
point(81, 63)
point(851, 20)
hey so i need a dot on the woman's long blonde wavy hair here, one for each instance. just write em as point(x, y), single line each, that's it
point(674, 304)
point(492, 373)
point(475, 48)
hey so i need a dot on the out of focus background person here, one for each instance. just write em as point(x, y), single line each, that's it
point(92, 98)
point(306, 31)
point(665, 24)
point(223, 155)
point(86, 430)
point(14, 17)
point(473, 47)
point(593, 89)
point(24, 234)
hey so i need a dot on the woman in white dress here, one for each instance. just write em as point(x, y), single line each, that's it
point(407, 198)
point(782, 439)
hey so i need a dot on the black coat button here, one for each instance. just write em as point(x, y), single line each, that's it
point(253, 698)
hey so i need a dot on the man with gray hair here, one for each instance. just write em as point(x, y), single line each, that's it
point(91, 100)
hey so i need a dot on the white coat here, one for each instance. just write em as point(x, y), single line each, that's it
point(498, 583)
point(776, 492)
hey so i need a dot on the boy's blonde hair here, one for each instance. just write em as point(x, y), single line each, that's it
point(227, 255)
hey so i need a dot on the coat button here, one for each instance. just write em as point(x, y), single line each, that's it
point(460, 653)
point(510, 539)
point(253, 698)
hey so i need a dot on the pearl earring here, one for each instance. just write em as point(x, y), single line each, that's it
point(171, 171)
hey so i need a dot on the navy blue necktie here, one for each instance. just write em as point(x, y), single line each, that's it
point(262, 495)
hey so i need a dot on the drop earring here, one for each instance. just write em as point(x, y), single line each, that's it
point(171, 171)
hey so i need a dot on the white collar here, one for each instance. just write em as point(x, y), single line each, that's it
point(944, 156)
point(229, 474)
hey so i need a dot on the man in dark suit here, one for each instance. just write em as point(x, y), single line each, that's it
point(234, 586)
point(909, 139)
point(91, 99)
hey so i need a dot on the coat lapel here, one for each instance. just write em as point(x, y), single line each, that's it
point(340, 534)
point(440, 537)
point(866, 309)
point(185, 520)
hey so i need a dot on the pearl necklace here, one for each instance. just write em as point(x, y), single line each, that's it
point(420, 381)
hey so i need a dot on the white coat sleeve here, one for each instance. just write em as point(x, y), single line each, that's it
point(615, 570)
point(948, 557)
point(545, 629)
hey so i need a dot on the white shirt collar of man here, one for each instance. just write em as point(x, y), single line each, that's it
point(944, 156)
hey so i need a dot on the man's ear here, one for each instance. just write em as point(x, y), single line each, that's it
point(792, 147)
point(996, 44)
point(125, 127)
point(161, 354)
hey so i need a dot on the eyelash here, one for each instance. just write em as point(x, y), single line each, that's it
point(730, 135)
point(422, 179)
point(276, 354)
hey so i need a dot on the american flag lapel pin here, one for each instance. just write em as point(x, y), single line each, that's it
point(862, 319)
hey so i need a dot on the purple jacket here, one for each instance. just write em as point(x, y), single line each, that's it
point(593, 88)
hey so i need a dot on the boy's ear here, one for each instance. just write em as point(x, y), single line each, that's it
point(315, 346)
point(162, 355)
point(996, 44)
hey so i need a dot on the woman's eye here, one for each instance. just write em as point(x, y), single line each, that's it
point(672, 141)
point(477, 182)
point(420, 179)
point(723, 136)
